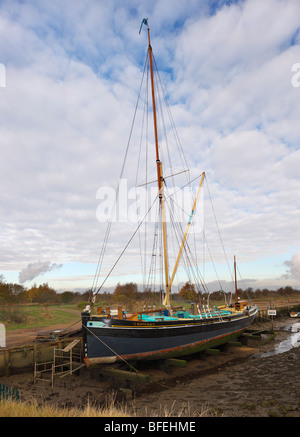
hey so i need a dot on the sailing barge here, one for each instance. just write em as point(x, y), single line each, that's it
point(165, 332)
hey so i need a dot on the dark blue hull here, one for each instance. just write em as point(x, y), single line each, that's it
point(111, 341)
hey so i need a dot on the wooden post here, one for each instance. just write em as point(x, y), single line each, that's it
point(212, 351)
point(234, 343)
point(7, 362)
point(52, 376)
point(125, 375)
point(120, 313)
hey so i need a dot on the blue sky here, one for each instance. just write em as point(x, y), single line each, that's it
point(72, 74)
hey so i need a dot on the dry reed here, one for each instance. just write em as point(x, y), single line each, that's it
point(10, 408)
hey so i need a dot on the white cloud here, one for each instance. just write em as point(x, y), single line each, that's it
point(72, 75)
point(35, 269)
point(293, 267)
point(234, 81)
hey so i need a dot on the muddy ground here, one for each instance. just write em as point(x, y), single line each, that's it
point(236, 383)
point(19, 337)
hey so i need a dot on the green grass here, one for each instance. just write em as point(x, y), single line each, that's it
point(40, 315)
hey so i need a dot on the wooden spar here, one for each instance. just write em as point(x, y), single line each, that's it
point(236, 296)
point(158, 310)
point(155, 310)
point(184, 237)
point(160, 178)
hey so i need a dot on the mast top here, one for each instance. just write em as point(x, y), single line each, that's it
point(144, 21)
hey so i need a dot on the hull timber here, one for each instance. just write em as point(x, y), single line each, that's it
point(110, 340)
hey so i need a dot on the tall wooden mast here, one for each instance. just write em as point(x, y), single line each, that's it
point(235, 281)
point(160, 180)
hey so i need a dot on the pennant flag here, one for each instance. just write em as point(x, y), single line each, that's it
point(144, 21)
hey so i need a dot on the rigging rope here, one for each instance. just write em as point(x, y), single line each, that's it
point(102, 253)
point(218, 230)
point(114, 352)
point(121, 254)
point(176, 136)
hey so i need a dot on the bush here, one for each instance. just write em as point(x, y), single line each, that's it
point(12, 316)
point(67, 297)
point(81, 305)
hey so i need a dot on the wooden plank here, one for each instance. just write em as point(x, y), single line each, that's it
point(266, 340)
point(124, 374)
point(176, 363)
point(70, 371)
point(254, 331)
point(251, 336)
point(71, 345)
point(212, 351)
point(234, 343)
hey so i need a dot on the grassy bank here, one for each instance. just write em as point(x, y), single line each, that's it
point(38, 315)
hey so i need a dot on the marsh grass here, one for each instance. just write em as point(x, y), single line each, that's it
point(33, 408)
point(10, 408)
point(177, 409)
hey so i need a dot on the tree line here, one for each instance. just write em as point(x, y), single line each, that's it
point(11, 293)
point(188, 291)
point(125, 294)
